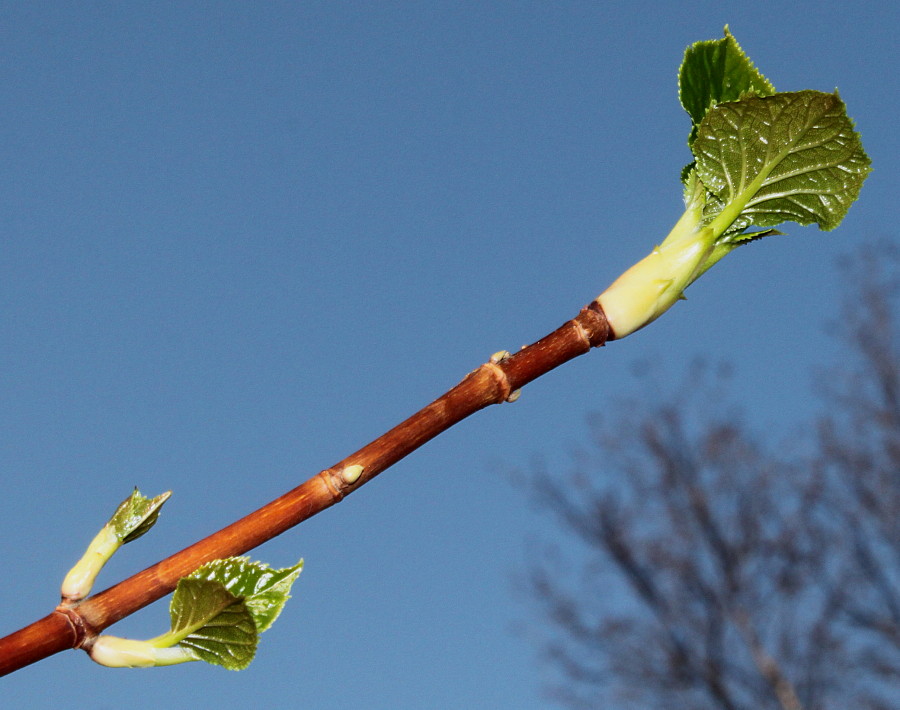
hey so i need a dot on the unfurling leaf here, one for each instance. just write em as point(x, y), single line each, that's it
point(219, 611)
point(715, 71)
point(789, 157)
point(213, 623)
point(136, 515)
point(133, 517)
point(264, 590)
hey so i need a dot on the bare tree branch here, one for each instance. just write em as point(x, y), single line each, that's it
point(747, 575)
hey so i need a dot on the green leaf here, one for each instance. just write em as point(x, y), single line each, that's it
point(136, 515)
point(219, 611)
point(788, 157)
point(263, 589)
point(212, 623)
point(716, 71)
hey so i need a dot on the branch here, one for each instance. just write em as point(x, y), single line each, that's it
point(743, 134)
point(77, 624)
point(768, 666)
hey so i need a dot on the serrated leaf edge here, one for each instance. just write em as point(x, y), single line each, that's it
point(746, 196)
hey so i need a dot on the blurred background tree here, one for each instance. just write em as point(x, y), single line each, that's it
point(731, 569)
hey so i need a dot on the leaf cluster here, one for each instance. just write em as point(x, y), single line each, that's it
point(762, 157)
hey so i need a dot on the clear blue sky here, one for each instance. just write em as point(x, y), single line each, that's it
point(239, 240)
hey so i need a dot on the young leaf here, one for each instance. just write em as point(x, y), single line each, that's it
point(136, 515)
point(133, 517)
point(759, 159)
point(219, 611)
point(715, 71)
point(213, 623)
point(788, 157)
point(263, 589)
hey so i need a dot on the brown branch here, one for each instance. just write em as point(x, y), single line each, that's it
point(76, 625)
point(767, 665)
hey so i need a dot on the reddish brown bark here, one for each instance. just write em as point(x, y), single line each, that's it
point(75, 625)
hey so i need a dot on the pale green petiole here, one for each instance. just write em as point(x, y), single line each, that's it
point(176, 636)
point(80, 579)
point(163, 650)
point(115, 652)
point(650, 287)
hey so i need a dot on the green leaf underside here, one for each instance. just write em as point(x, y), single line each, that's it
point(263, 589)
point(716, 71)
point(219, 611)
point(788, 157)
point(136, 515)
point(229, 640)
point(213, 623)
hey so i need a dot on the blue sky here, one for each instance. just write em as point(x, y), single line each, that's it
point(241, 240)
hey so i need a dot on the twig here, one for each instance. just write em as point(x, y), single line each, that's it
point(77, 624)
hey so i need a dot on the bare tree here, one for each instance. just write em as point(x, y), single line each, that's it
point(725, 571)
point(859, 462)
